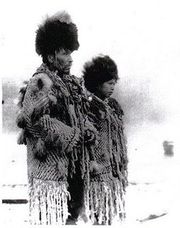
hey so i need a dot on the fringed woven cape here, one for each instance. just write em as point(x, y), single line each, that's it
point(54, 135)
point(104, 197)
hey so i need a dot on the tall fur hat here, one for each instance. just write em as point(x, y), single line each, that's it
point(57, 31)
point(99, 70)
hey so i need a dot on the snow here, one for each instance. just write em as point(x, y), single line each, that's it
point(153, 189)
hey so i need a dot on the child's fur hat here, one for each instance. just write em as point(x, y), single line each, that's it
point(57, 31)
point(99, 70)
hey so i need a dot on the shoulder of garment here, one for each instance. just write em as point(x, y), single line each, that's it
point(114, 104)
point(41, 81)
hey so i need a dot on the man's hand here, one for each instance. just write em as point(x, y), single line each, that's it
point(90, 132)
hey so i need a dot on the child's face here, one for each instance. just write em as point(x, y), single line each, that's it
point(106, 89)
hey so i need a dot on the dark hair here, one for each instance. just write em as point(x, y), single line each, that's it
point(99, 70)
point(54, 34)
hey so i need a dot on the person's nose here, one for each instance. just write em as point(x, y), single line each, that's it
point(70, 58)
point(112, 88)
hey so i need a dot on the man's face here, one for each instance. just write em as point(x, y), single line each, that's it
point(62, 60)
point(106, 89)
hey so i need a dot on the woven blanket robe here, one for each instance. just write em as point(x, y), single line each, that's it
point(108, 177)
point(52, 135)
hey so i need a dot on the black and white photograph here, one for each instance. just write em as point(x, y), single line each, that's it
point(90, 113)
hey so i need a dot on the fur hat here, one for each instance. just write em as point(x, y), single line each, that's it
point(57, 31)
point(99, 70)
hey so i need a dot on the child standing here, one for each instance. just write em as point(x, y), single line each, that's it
point(104, 198)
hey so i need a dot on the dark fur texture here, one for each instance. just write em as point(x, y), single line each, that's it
point(116, 106)
point(22, 92)
point(101, 69)
point(54, 34)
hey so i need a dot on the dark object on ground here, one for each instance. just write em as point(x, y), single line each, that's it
point(152, 217)
point(15, 201)
point(168, 148)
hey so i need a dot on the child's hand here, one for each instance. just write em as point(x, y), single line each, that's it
point(95, 167)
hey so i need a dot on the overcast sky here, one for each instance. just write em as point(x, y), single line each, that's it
point(142, 36)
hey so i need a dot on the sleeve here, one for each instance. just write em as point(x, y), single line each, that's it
point(35, 101)
point(34, 116)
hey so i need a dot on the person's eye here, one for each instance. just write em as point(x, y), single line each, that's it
point(67, 52)
point(63, 52)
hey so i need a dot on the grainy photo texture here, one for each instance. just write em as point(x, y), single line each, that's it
point(90, 113)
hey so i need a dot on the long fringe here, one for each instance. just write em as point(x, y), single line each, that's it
point(104, 203)
point(48, 203)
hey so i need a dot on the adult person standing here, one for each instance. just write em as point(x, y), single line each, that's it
point(104, 198)
point(55, 126)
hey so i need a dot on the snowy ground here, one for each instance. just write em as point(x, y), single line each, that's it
point(153, 191)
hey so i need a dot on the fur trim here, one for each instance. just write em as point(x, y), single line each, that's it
point(20, 120)
point(62, 16)
point(40, 151)
point(99, 70)
point(56, 32)
point(22, 92)
point(116, 106)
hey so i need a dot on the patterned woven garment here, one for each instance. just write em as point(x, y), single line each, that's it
point(53, 133)
point(105, 194)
